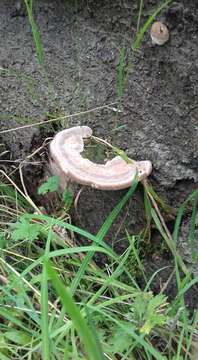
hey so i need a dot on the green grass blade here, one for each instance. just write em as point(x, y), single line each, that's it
point(190, 198)
point(147, 206)
point(139, 14)
point(67, 251)
point(82, 249)
point(191, 237)
point(101, 233)
point(90, 344)
point(170, 244)
point(35, 33)
point(6, 314)
point(115, 212)
point(93, 330)
point(44, 303)
point(152, 278)
point(118, 271)
point(187, 287)
point(190, 338)
point(75, 229)
point(132, 241)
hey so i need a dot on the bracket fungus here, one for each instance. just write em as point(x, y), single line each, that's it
point(68, 163)
point(159, 33)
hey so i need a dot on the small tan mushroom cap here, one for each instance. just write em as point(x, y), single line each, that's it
point(67, 162)
point(159, 33)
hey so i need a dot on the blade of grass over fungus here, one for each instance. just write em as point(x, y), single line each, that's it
point(101, 233)
point(91, 345)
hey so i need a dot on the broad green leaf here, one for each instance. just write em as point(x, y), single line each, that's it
point(50, 185)
point(119, 343)
point(23, 229)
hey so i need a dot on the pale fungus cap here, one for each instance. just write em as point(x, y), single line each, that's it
point(159, 33)
point(67, 162)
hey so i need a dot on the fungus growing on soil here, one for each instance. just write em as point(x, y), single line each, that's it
point(68, 163)
point(159, 33)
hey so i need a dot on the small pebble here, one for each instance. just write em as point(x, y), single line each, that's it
point(159, 33)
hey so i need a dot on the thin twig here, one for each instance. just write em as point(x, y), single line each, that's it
point(76, 201)
point(58, 118)
point(3, 279)
point(21, 192)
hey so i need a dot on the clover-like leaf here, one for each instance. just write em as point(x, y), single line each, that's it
point(50, 185)
point(23, 229)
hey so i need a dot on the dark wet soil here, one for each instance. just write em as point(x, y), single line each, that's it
point(82, 42)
